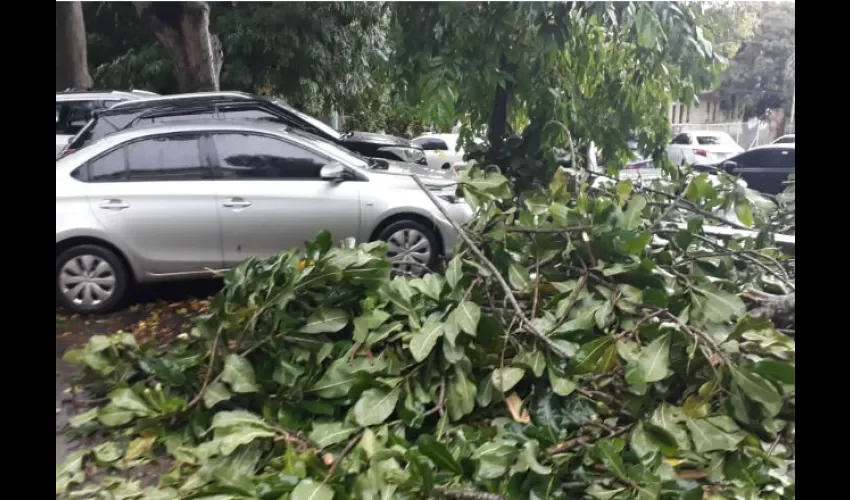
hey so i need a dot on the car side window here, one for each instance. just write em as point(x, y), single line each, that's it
point(167, 158)
point(175, 117)
point(72, 116)
point(110, 167)
point(256, 157)
point(249, 114)
point(681, 139)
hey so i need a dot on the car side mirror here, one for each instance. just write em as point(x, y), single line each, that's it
point(334, 172)
point(729, 166)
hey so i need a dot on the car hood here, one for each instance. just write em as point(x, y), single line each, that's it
point(429, 176)
point(380, 140)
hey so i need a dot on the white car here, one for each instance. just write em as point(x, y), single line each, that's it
point(785, 139)
point(441, 150)
point(701, 148)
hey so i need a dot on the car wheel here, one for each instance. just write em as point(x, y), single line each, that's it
point(412, 247)
point(446, 166)
point(90, 279)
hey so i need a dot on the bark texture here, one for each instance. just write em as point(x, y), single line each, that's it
point(183, 29)
point(72, 69)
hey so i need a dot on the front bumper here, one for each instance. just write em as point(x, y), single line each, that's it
point(460, 213)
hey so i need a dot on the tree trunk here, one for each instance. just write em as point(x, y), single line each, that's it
point(499, 114)
point(183, 29)
point(72, 70)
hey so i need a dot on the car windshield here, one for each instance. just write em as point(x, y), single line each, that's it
point(715, 140)
point(785, 140)
point(315, 122)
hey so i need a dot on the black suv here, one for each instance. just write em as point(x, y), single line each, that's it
point(238, 105)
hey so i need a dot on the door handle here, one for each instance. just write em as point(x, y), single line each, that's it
point(114, 205)
point(236, 203)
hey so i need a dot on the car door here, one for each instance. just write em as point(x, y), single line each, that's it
point(678, 149)
point(765, 169)
point(155, 196)
point(271, 196)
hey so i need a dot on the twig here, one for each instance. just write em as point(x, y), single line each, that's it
point(345, 451)
point(466, 495)
point(509, 295)
point(441, 401)
point(200, 395)
point(545, 230)
point(573, 299)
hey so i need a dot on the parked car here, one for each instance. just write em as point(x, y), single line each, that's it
point(175, 201)
point(785, 139)
point(441, 150)
point(230, 105)
point(764, 169)
point(74, 109)
point(701, 148)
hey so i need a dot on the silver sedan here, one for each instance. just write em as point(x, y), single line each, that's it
point(180, 201)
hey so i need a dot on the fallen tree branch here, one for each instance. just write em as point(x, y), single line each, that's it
point(509, 295)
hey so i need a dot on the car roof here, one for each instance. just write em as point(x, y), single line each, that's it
point(74, 95)
point(786, 145)
point(180, 98)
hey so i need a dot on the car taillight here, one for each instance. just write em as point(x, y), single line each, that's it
point(701, 152)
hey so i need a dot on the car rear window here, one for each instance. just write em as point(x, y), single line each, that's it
point(97, 128)
point(715, 140)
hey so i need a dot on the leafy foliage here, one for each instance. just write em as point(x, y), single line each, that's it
point(562, 74)
point(631, 369)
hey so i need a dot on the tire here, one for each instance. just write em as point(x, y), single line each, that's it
point(93, 297)
point(414, 234)
point(446, 166)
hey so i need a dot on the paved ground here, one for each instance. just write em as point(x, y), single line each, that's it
point(156, 311)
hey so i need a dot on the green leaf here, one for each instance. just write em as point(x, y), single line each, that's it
point(610, 452)
point(518, 277)
point(460, 395)
point(139, 447)
point(634, 211)
point(454, 271)
point(439, 454)
point(534, 360)
point(561, 386)
point(431, 285)
point(325, 321)
point(336, 382)
point(70, 471)
point(624, 189)
point(744, 211)
point(757, 388)
point(238, 418)
point(597, 356)
point(375, 406)
point(708, 437)
point(781, 372)
point(107, 452)
point(325, 434)
point(239, 374)
point(215, 393)
point(494, 458)
point(466, 317)
point(308, 489)
point(719, 306)
point(652, 364)
point(527, 459)
point(504, 379)
point(424, 340)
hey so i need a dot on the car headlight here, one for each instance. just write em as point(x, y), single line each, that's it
point(448, 194)
point(411, 155)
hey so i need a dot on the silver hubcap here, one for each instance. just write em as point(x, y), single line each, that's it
point(409, 251)
point(87, 280)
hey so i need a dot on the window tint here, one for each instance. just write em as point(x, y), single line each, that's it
point(431, 144)
point(766, 158)
point(168, 158)
point(72, 116)
point(175, 117)
point(681, 139)
point(109, 167)
point(715, 140)
point(247, 156)
point(249, 114)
